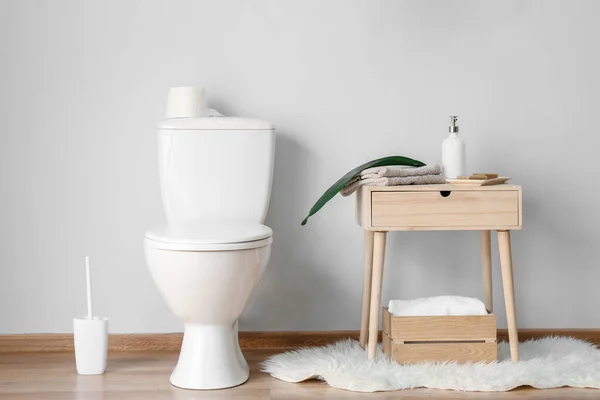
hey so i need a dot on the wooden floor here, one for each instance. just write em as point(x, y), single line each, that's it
point(145, 375)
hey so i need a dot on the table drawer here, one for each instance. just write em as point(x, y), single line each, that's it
point(462, 209)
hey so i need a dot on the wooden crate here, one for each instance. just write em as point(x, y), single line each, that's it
point(470, 338)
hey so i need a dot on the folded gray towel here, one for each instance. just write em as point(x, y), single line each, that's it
point(353, 185)
point(400, 171)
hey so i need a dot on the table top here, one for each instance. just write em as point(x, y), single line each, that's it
point(435, 188)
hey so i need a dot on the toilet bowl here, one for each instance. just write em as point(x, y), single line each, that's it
point(207, 279)
point(215, 177)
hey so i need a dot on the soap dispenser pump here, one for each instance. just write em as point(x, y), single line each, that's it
point(453, 152)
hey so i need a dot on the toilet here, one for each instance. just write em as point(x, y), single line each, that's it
point(215, 177)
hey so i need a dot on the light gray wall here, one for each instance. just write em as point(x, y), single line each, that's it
point(83, 83)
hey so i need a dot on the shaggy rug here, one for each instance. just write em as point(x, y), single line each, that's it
point(545, 363)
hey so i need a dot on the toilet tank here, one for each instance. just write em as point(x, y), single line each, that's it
point(215, 169)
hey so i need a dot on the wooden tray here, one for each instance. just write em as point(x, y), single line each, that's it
point(476, 182)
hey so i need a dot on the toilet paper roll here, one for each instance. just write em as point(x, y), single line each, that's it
point(186, 102)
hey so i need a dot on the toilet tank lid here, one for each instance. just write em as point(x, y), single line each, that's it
point(210, 233)
point(215, 123)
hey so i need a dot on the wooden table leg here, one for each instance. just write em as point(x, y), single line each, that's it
point(486, 264)
point(366, 291)
point(377, 280)
point(509, 292)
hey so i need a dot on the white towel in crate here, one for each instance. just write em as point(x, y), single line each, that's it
point(436, 306)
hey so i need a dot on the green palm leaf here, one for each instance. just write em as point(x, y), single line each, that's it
point(339, 185)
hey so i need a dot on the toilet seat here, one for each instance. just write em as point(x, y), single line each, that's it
point(223, 236)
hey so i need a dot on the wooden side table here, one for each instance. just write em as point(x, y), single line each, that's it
point(380, 209)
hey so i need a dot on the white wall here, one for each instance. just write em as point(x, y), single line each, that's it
point(83, 83)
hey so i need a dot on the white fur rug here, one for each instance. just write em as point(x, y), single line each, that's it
point(545, 363)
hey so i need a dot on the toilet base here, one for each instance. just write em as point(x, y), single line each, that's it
point(210, 358)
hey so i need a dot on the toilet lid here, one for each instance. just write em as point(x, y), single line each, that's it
point(210, 236)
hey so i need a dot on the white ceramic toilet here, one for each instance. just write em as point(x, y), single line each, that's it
point(215, 178)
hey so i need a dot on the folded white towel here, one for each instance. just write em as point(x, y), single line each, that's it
point(354, 184)
point(391, 171)
point(438, 305)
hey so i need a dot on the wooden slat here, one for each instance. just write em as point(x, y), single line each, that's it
point(459, 352)
point(442, 328)
point(386, 321)
point(386, 343)
point(447, 328)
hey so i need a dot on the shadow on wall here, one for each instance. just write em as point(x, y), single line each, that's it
point(287, 288)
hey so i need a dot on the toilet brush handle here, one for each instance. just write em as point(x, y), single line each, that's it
point(88, 281)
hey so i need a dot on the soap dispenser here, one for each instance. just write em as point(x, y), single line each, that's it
point(453, 152)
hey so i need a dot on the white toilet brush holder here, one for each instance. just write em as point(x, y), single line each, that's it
point(91, 344)
point(90, 335)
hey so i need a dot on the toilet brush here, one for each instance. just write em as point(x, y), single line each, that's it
point(90, 335)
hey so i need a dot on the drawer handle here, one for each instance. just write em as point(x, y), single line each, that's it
point(445, 193)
